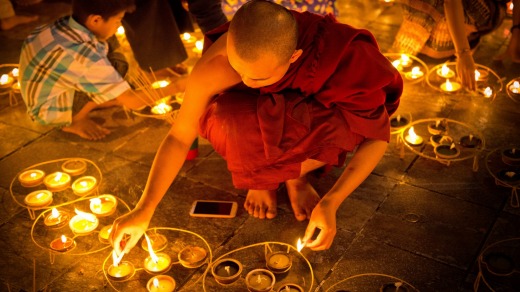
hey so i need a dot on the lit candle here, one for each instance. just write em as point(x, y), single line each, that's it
point(470, 141)
point(260, 280)
point(226, 271)
point(199, 45)
point(84, 185)
point(279, 262)
point(397, 64)
point(487, 92)
point(63, 244)
point(160, 84)
point(15, 72)
point(447, 151)
point(416, 73)
point(188, 38)
point(56, 218)
point(104, 233)
point(157, 240)
point(445, 72)
point(192, 256)
point(40, 198)
point(156, 263)
point(291, 288)
point(120, 271)
point(398, 122)
point(412, 138)
point(481, 75)
point(161, 109)
point(104, 205)
point(511, 156)
point(83, 223)
point(161, 283)
point(120, 31)
point(405, 60)
point(5, 81)
point(16, 86)
point(515, 87)
point(31, 177)
point(509, 9)
point(437, 128)
point(74, 166)
point(57, 181)
point(451, 86)
point(299, 245)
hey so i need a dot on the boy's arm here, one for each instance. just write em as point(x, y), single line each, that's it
point(210, 76)
point(136, 99)
point(364, 160)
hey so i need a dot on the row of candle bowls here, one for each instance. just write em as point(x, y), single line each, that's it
point(9, 83)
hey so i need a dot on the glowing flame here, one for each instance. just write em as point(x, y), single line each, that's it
point(58, 176)
point(470, 137)
point(95, 203)
point(452, 145)
point(160, 83)
point(83, 183)
point(396, 63)
point(40, 195)
point(156, 283)
point(161, 108)
point(488, 92)
point(150, 250)
point(15, 72)
point(398, 118)
point(515, 88)
point(510, 6)
point(33, 174)
point(411, 134)
point(116, 259)
point(186, 36)
point(4, 79)
point(199, 45)
point(449, 87)
point(405, 60)
point(445, 70)
point(299, 245)
point(120, 31)
point(416, 71)
point(55, 213)
point(477, 75)
point(85, 215)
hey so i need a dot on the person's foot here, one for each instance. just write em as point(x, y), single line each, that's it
point(303, 197)
point(86, 129)
point(261, 203)
point(10, 22)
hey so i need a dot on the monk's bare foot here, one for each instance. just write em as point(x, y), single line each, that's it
point(261, 203)
point(303, 197)
point(87, 129)
point(11, 22)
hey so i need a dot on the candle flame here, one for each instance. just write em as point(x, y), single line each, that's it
point(445, 70)
point(515, 88)
point(199, 45)
point(120, 30)
point(4, 79)
point(161, 108)
point(405, 59)
point(150, 249)
point(470, 137)
point(96, 203)
point(398, 118)
point(510, 7)
point(258, 279)
point(58, 176)
point(156, 283)
point(299, 245)
point(40, 195)
point(416, 71)
point(55, 213)
point(33, 174)
point(87, 216)
point(63, 238)
point(411, 134)
point(117, 259)
point(488, 92)
point(15, 72)
point(186, 36)
point(477, 75)
point(452, 145)
point(449, 87)
point(510, 174)
point(396, 63)
point(160, 83)
point(83, 183)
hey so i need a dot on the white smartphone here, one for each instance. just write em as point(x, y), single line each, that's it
point(214, 209)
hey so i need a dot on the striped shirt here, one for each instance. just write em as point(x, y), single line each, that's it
point(59, 59)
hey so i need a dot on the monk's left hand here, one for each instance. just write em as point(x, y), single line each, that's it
point(323, 217)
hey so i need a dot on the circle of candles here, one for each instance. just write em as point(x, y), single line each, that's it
point(398, 121)
point(161, 283)
point(511, 156)
point(161, 109)
point(104, 233)
point(437, 128)
point(470, 141)
point(290, 288)
point(123, 271)
point(412, 138)
point(445, 72)
point(509, 175)
point(63, 244)
point(57, 181)
point(74, 166)
point(31, 177)
point(159, 264)
point(103, 205)
point(6, 81)
point(84, 185)
point(260, 280)
point(157, 240)
point(279, 262)
point(39, 198)
point(83, 223)
point(437, 140)
point(226, 271)
point(56, 218)
point(451, 86)
point(416, 73)
point(447, 151)
point(192, 256)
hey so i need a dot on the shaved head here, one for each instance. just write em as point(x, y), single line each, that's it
point(261, 27)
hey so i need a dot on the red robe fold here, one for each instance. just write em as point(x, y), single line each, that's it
point(341, 91)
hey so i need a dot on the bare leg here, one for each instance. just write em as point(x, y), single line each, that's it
point(261, 203)
point(11, 22)
point(302, 195)
point(84, 127)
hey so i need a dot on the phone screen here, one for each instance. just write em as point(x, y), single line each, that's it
point(213, 208)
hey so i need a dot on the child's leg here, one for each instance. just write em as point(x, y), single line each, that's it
point(81, 124)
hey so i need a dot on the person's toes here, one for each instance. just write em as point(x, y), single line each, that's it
point(271, 212)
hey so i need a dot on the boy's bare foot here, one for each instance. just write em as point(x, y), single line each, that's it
point(87, 129)
point(303, 197)
point(261, 203)
point(10, 22)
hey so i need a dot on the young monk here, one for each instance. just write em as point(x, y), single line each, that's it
point(280, 93)
point(71, 55)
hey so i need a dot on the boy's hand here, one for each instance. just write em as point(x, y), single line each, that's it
point(128, 229)
point(324, 218)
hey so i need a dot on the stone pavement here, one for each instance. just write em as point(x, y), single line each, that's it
point(414, 220)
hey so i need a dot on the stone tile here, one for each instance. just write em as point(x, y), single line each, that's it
point(14, 138)
point(213, 172)
point(18, 117)
point(9, 207)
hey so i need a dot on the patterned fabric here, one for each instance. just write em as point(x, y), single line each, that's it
point(316, 6)
point(62, 58)
point(425, 29)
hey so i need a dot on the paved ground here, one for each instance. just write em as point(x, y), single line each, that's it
point(414, 220)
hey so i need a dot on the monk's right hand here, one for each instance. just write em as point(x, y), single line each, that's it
point(128, 229)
